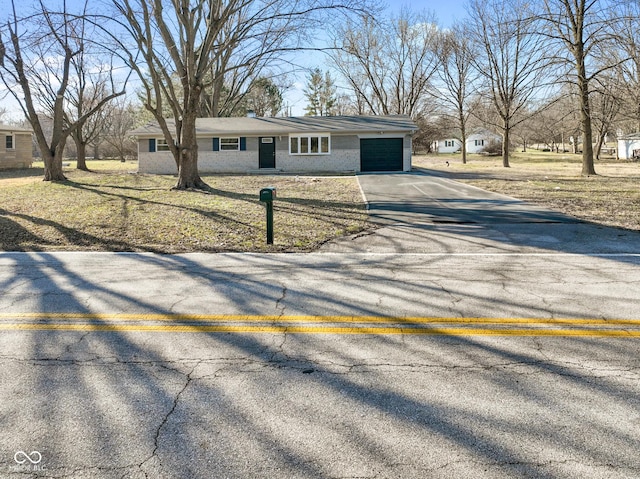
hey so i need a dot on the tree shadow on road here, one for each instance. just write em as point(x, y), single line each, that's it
point(132, 404)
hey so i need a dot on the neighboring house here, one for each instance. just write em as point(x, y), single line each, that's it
point(15, 147)
point(476, 142)
point(449, 145)
point(629, 146)
point(294, 144)
point(479, 140)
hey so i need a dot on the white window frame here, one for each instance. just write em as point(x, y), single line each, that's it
point(224, 143)
point(162, 144)
point(13, 141)
point(308, 140)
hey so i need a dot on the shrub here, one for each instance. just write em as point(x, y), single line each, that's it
point(493, 148)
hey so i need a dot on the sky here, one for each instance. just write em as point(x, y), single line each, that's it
point(446, 12)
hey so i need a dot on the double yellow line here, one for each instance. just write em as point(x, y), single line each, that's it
point(343, 325)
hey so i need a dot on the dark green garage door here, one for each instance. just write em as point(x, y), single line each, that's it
point(381, 154)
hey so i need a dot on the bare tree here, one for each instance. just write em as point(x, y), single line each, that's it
point(121, 120)
point(390, 64)
point(457, 78)
point(510, 57)
point(92, 82)
point(36, 56)
point(606, 103)
point(582, 26)
point(206, 45)
point(626, 52)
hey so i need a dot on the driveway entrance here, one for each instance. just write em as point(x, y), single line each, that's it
point(429, 213)
point(419, 198)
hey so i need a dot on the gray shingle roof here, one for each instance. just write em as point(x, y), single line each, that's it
point(283, 126)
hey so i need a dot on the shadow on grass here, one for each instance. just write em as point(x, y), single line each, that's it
point(326, 213)
point(321, 219)
point(21, 173)
point(15, 237)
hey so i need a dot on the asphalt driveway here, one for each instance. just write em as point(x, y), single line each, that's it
point(428, 213)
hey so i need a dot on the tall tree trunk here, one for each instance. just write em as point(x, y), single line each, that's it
point(599, 144)
point(81, 149)
point(188, 176)
point(506, 130)
point(53, 164)
point(588, 167)
point(463, 137)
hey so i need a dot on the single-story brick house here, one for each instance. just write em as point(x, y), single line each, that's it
point(293, 144)
point(15, 147)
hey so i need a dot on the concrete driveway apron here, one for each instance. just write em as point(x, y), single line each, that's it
point(429, 213)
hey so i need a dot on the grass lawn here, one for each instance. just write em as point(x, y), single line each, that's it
point(114, 209)
point(553, 180)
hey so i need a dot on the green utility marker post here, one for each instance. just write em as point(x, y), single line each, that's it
point(267, 195)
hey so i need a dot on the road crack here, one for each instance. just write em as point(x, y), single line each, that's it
point(165, 420)
point(280, 307)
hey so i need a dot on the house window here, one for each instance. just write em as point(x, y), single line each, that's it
point(309, 145)
point(479, 142)
point(448, 143)
point(161, 144)
point(230, 144)
point(324, 144)
point(9, 142)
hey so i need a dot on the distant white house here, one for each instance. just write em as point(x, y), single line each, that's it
point(479, 140)
point(476, 142)
point(448, 145)
point(629, 146)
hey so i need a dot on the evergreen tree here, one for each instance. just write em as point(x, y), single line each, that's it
point(320, 93)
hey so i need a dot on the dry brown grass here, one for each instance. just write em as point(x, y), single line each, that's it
point(553, 180)
point(110, 210)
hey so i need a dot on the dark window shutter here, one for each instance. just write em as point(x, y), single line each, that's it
point(216, 144)
point(152, 145)
point(243, 143)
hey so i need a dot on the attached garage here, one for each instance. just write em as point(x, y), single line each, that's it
point(381, 154)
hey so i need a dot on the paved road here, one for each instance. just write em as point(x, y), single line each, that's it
point(471, 350)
